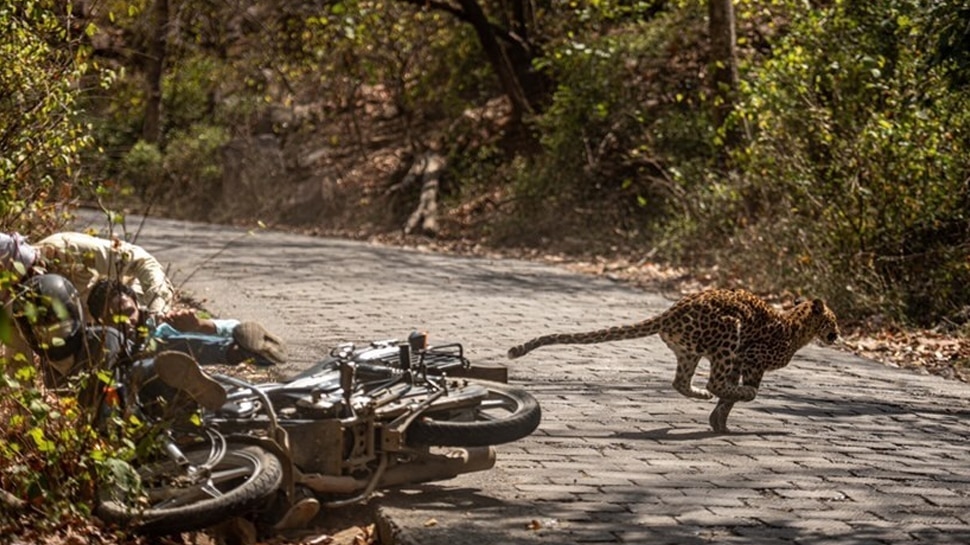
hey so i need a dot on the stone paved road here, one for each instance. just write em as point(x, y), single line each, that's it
point(835, 449)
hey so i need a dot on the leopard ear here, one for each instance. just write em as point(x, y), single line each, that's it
point(818, 306)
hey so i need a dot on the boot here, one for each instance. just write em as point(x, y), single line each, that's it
point(299, 515)
point(254, 342)
point(181, 372)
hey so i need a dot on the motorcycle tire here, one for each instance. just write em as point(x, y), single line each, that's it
point(480, 427)
point(245, 477)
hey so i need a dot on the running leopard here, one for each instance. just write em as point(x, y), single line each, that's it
point(742, 337)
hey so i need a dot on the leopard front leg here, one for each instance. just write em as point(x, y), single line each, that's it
point(718, 418)
point(724, 384)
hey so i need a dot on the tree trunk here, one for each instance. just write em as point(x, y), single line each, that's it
point(522, 51)
point(151, 130)
point(724, 65)
point(497, 58)
point(424, 219)
point(523, 17)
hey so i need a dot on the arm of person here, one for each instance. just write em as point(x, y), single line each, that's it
point(80, 257)
point(158, 292)
point(188, 321)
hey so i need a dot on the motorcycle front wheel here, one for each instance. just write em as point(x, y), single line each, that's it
point(171, 499)
point(505, 414)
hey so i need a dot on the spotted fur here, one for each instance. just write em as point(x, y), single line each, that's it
point(742, 337)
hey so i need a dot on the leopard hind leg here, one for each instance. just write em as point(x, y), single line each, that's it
point(684, 376)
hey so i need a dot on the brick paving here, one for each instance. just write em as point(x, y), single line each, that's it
point(835, 449)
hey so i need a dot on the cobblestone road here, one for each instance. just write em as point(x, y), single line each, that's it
point(835, 449)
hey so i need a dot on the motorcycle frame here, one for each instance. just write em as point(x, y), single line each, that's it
point(329, 451)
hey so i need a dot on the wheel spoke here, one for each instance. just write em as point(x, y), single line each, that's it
point(503, 414)
point(231, 471)
point(492, 409)
point(176, 499)
point(210, 489)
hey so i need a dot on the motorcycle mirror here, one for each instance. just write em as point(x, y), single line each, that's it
point(418, 340)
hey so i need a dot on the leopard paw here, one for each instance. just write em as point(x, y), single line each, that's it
point(701, 394)
point(719, 415)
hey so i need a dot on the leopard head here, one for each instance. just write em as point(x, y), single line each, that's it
point(823, 322)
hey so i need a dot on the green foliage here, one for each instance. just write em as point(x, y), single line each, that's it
point(143, 168)
point(187, 93)
point(853, 184)
point(193, 155)
point(847, 179)
point(584, 108)
point(623, 104)
point(52, 454)
point(452, 75)
point(41, 65)
point(59, 437)
point(192, 164)
point(45, 453)
point(425, 62)
point(950, 23)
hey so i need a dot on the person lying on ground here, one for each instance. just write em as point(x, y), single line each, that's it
point(81, 259)
point(208, 340)
point(49, 314)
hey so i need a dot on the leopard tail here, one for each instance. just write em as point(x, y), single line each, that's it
point(650, 326)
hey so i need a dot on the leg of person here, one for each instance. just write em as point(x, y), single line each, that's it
point(232, 344)
point(204, 348)
point(181, 372)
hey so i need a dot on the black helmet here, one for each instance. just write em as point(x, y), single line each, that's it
point(50, 317)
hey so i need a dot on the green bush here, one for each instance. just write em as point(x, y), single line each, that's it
point(50, 455)
point(40, 138)
point(143, 169)
point(46, 452)
point(59, 439)
point(626, 104)
point(853, 185)
point(183, 181)
point(53, 452)
point(192, 162)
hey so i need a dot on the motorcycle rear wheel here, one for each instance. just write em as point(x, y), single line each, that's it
point(171, 502)
point(507, 414)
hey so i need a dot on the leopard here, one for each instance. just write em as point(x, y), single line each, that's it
point(740, 334)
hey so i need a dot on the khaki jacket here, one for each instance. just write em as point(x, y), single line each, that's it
point(83, 259)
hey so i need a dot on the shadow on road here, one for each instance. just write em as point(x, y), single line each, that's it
point(671, 434)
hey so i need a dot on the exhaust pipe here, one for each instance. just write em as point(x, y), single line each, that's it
point(439, 467)
point(428, 467)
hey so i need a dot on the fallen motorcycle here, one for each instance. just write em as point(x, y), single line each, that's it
point(363, 419)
